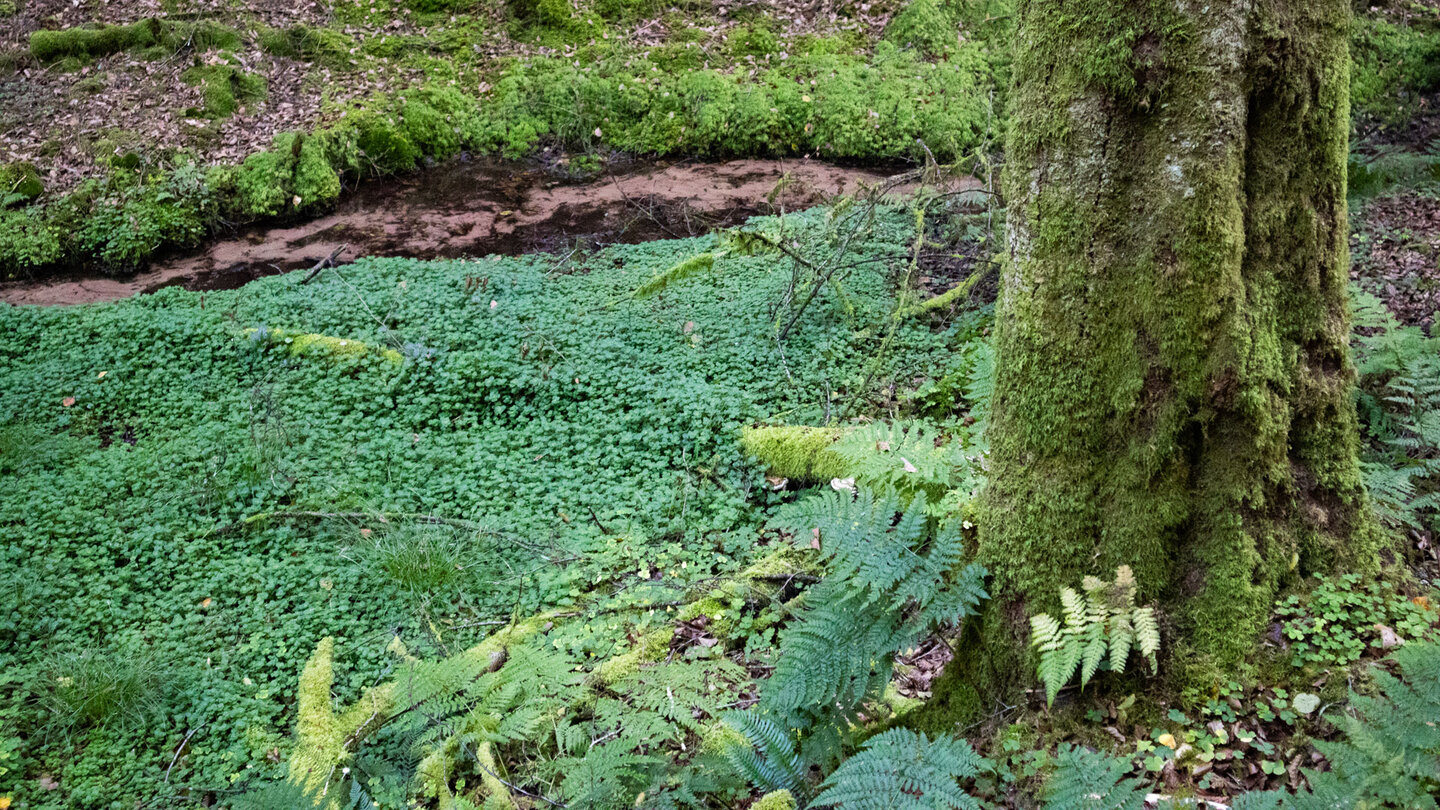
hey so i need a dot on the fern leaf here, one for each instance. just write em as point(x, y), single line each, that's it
point(1093, 653)
point(1122, 636)
point(903, 770)
point(1087, 780)
point(771, 761)
point(1047, 636)
point(1147, 635)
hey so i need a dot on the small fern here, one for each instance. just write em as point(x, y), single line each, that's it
point(889, 582)
point(903, 770)
point(1089, 780)
point(771, 760)
point(1101, 627)
point(905, 459)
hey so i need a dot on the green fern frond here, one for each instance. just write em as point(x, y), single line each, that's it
point(903, 770)
point(770, 761)
point(1147, 635)
point(1100, 628)
point(904, 459)
point(1088, 780)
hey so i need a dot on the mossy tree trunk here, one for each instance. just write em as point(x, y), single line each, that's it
point(1174, 388)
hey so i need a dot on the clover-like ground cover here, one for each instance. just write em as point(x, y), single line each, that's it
point(594, 434)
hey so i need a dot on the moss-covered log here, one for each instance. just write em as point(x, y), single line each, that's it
point(1173, 388)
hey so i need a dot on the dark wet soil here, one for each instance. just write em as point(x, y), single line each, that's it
point(480, 208)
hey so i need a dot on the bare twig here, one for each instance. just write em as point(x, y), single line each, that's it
point(514, 787)
point(176, 758)
point(328, 261)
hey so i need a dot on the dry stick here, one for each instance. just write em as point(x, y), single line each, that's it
point(176, 758)
point(323, 263)
point(514, 787)
point(865, 214)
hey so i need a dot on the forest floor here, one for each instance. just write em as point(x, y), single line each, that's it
point(69, 118)
point(524, 385)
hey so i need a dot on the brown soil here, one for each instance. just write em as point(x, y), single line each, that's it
point(480, 208)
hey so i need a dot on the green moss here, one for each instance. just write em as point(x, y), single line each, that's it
point(301, 344)
point(547, 17)
point(265, 182)
point(383, 146)
point(752, 40)
point(651, 647)
point(1394, 65)
point(799, 453)
point(436, 6)
point(779, 800)
point(628, 10)
point(316, 180)
point(19, 183)
point(926, 26)
point(225, 89)
point(324, 46)
point(94, 42)
point(432, 132)
point(200, 35)
point(325, 739)
point(724, 602)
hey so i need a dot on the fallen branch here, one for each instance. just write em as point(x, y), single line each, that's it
point(328, 261)
point(176, 758)
point(946, 298)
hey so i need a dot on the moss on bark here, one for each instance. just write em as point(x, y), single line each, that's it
point(1173, 388)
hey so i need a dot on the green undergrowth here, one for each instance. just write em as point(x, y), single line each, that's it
point(245, 442)
point(1396, 62)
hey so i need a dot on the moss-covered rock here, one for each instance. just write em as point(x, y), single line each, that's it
point(96, 41)
point(303, 344)
point(799, 453)
point(225, 89)
point(324, 46)
point(19, 183)
point(92, 42)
